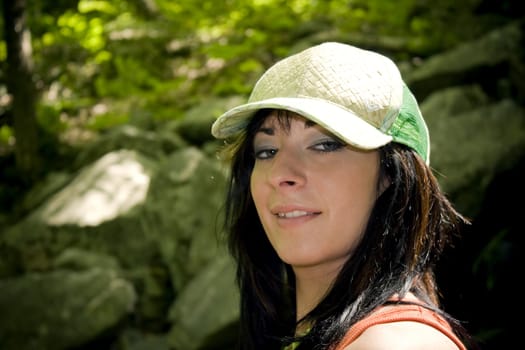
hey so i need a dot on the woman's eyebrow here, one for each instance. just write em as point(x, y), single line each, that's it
point(266, 130)
point(309, 124)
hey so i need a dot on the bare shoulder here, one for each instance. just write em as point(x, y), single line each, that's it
point(404, 335)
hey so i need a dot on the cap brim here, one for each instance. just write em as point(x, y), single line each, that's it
point(341, 122)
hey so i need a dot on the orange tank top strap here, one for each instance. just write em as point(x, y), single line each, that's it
point(397, 313)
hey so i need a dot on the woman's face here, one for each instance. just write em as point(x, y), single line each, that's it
point(313, 193)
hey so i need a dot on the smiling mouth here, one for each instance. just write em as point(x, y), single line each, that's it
point(295, 214)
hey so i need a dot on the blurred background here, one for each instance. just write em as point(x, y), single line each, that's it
point(111, 190)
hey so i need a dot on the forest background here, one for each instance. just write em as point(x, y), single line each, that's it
point(74, 71)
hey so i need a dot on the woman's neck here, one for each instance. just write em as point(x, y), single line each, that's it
point(312, 284)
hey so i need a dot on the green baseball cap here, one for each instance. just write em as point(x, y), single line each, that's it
point(356, 94)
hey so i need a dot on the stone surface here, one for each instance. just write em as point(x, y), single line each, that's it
point(61, 309)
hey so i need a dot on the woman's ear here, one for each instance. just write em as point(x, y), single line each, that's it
point(384, 183)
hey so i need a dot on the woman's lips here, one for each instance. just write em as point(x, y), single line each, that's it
point(295, 214)
point(293, 211)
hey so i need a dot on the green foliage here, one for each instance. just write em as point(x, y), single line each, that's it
point(491, 258)
point(6, 136)
point(107, 121)
point(48, 117)
point(3, 51)
point(106, 7)
point(131, 76)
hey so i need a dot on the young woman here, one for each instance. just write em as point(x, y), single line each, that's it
point(333, 214)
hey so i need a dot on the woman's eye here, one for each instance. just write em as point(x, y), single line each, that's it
point(328, 146)
point(266, 153)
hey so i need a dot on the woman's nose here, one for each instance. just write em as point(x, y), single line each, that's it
point(287, 170)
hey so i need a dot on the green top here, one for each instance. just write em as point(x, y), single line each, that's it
point(295, 344)
point(291, 346)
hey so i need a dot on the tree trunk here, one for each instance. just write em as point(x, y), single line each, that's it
point(22, 88)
